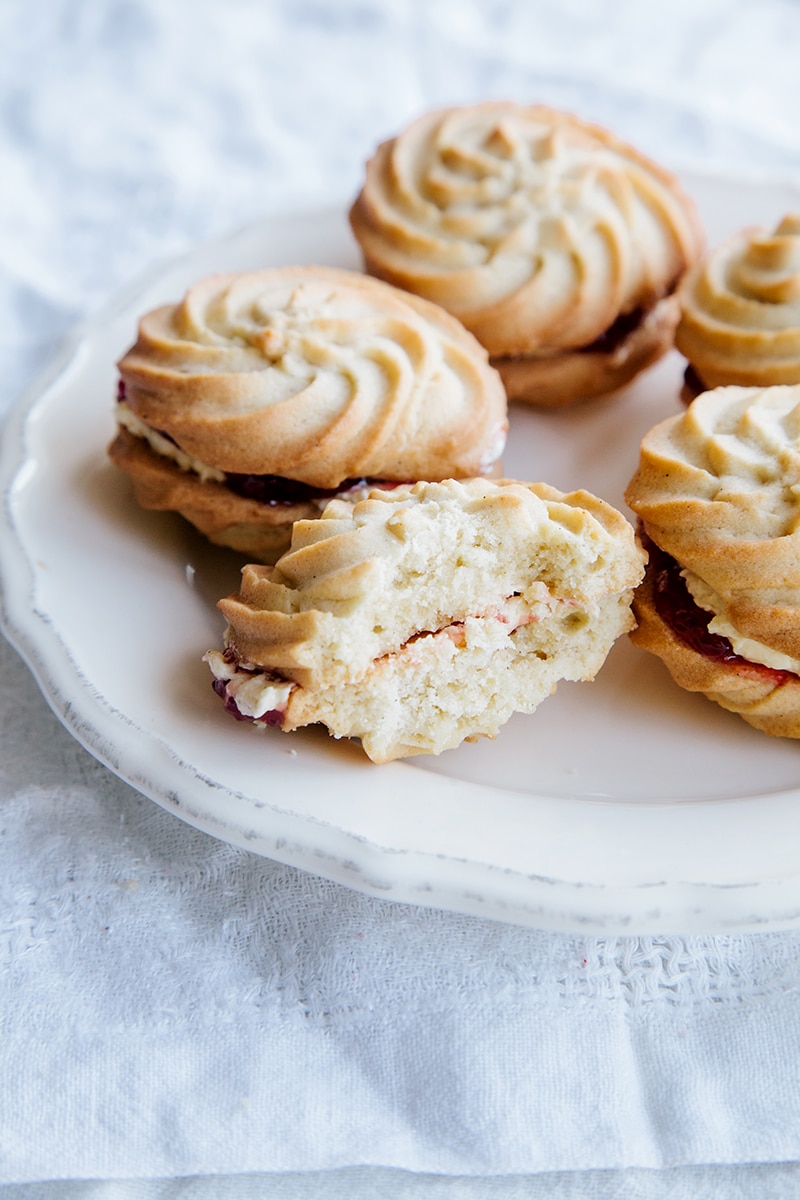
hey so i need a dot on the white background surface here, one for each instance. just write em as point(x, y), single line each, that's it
point(172, 1007)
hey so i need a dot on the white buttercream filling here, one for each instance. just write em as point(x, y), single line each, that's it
point(163, 446)
point(254, 692)
point(127, 418)
point(706, 598)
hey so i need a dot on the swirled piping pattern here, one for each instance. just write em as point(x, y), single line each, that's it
point(536, 229)
point(740, 320)
point(319, 375)
point(718, 488)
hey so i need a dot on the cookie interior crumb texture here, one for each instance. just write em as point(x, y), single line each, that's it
point(422, 617)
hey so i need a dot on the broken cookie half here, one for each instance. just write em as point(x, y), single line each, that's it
point(425, 616)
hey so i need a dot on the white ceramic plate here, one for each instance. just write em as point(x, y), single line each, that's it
point(626, 805)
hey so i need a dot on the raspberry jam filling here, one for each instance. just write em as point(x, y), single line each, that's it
point(675, 605)
point(693, 385)
point(613, 337)
point(276, 490)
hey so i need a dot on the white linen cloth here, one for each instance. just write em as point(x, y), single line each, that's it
point(171, 1007)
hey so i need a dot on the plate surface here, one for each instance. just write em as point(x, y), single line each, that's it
point(625, 805)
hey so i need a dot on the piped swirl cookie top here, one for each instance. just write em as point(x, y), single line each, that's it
point(740, 319)
point(317, 375)
point(534, 228)
point(718, 488)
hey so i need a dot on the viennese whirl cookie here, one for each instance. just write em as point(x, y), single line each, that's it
point(740, 311)
point(559, 246)
point(718, 493)
point(263, 394)
point(428, 615)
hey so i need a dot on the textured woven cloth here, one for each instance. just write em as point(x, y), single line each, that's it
point(172, 1007)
